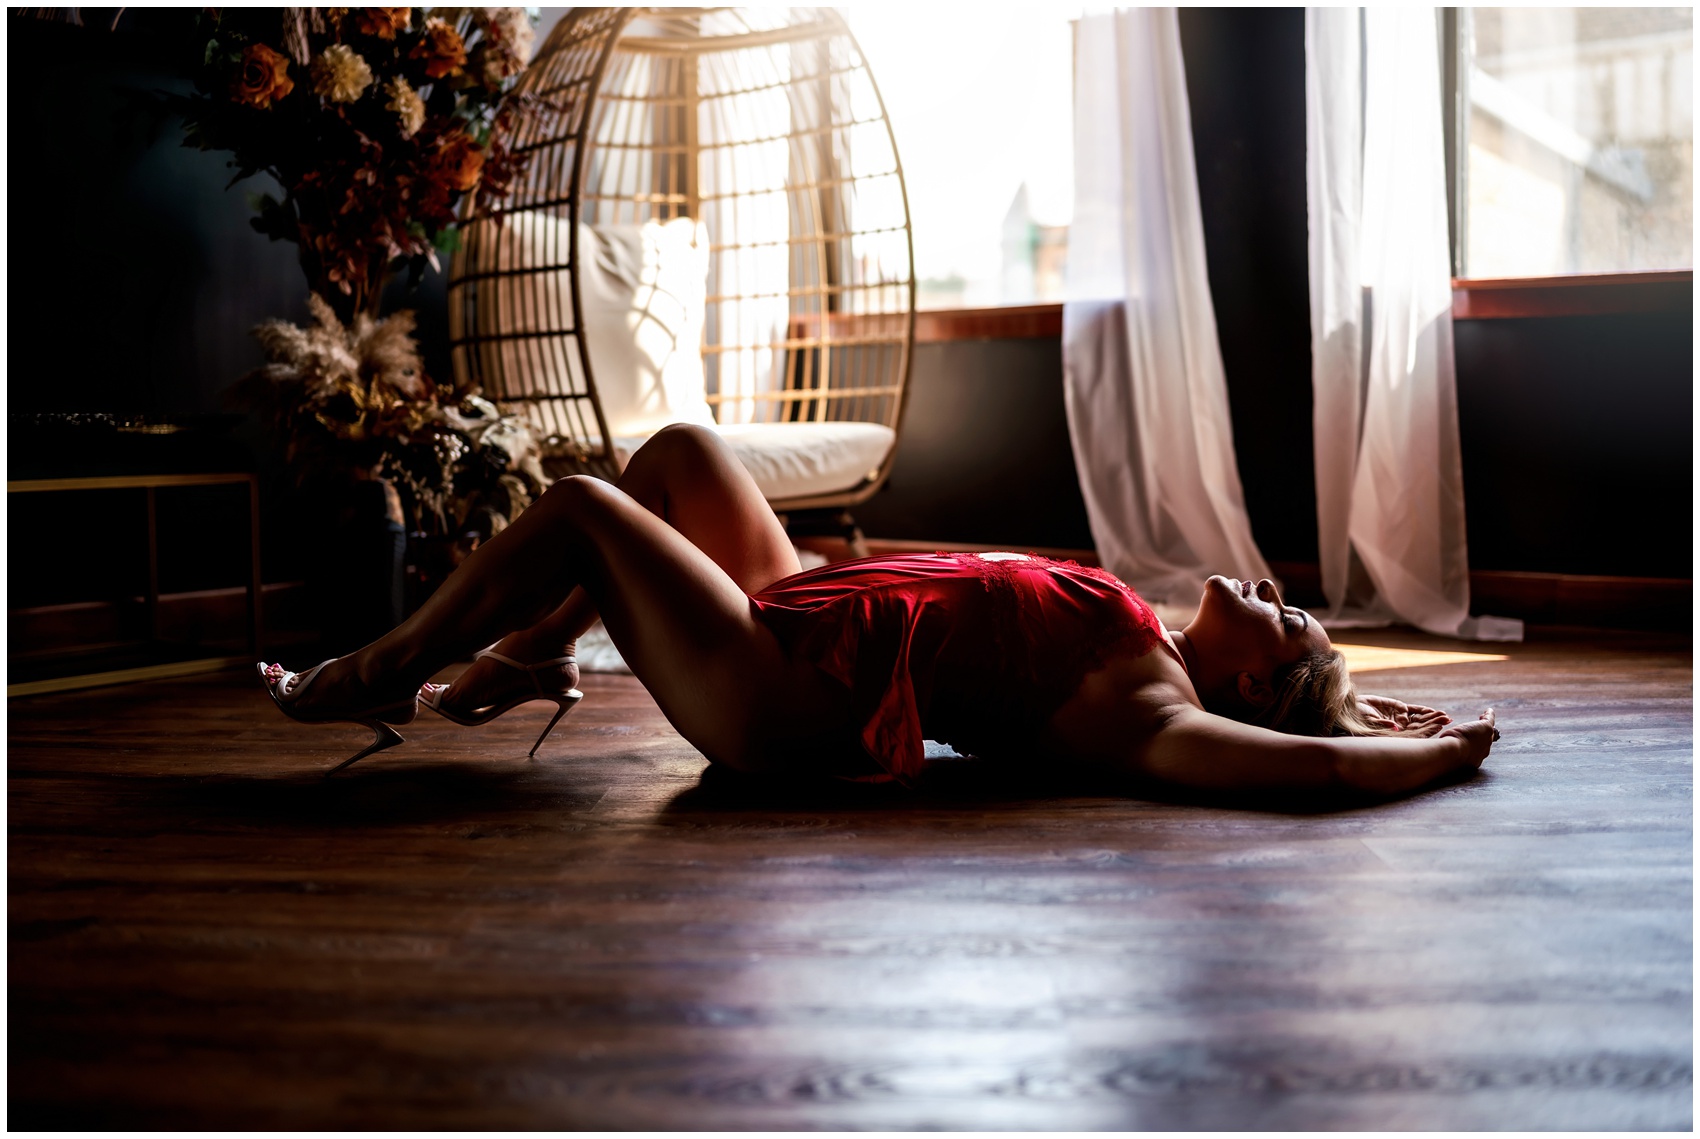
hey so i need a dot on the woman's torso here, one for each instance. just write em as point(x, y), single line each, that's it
point(978, 651)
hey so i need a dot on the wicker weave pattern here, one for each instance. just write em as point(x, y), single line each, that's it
point(766, 127)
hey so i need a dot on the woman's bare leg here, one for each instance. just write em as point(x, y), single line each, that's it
point(688, 477)
point(683, 624)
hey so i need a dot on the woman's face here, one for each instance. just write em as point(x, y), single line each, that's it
point(1245, 627)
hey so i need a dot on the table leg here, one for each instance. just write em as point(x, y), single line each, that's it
point(254, 597)
point(153, 567)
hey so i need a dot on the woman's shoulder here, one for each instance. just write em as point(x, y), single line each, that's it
point(1127, 699)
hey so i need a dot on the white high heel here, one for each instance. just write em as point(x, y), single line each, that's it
point(431, 695)
point(285, 689)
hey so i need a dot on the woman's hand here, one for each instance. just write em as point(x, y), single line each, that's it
point(1193, 748)
point(1478, 738)
point(1408, 719)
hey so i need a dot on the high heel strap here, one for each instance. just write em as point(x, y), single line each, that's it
point(530, 670)
point(287, 696)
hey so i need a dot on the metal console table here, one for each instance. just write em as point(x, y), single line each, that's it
point(152, 484)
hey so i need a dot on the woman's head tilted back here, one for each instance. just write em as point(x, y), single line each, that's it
point(1260, 661)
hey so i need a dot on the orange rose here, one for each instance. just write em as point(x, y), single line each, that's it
point(383, 22)
point(457, 163)
point(263, 77)
point(442, 49)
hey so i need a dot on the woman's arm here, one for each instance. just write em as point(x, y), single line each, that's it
point(1194, 748)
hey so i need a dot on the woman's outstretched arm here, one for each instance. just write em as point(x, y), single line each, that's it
point(1193, 748)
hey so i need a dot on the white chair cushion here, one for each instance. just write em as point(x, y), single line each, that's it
point(643, 290)
point(789, 460)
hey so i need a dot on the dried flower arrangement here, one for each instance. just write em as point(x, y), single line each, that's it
point(374, 122)
point(355, 397)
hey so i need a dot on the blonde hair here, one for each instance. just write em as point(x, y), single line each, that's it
point(1314, 696)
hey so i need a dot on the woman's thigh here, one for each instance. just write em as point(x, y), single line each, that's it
point(690, 477)
point(690, 634)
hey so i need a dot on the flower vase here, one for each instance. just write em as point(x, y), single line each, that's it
point(359, 572)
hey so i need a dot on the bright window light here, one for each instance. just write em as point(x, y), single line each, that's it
point(981, 101)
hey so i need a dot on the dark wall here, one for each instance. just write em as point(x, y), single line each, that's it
point(1578, 443)
point(984, 454)
point(1245, 76)
point(134, 274)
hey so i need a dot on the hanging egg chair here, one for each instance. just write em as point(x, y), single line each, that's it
point(711, 227)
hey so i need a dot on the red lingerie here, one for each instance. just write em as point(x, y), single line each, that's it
point(972, 651)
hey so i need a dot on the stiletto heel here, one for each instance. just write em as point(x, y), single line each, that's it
point(564, 703)
point(285, 689)
point(431, 695)
point(383, 736)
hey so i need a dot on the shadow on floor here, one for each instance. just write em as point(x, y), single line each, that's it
point(970, 782)
point(436, 793)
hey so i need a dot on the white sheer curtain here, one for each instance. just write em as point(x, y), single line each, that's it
point(1144, 390)
point(1389, 479)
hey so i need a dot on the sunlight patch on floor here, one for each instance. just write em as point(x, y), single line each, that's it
point(1374, 658)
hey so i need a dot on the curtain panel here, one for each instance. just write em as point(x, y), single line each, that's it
point(1144, 389)
point(1389, 475)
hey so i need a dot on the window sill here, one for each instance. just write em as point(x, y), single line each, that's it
point(1587, 294)
point(1006, 322)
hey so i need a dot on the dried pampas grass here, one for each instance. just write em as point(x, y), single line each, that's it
point(359, 393)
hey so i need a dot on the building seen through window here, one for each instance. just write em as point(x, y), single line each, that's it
point(1580, 140)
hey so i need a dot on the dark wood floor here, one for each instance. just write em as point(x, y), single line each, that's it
point(204, 933)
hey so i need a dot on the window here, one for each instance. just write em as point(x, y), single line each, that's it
point(1579, 140)
point(980, 100)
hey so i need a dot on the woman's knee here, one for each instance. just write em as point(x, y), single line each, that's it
point(680, 450)
point(684, 436)
point(573, 496)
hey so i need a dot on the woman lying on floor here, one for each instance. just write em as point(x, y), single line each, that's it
point(845, 669)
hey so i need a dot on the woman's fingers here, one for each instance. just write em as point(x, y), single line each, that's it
point(1414, 720)
point(1427, 726)
point(1387, 714)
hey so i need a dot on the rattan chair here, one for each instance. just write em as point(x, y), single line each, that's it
point(712, 226)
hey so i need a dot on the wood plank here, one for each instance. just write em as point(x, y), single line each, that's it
point(204, 932)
